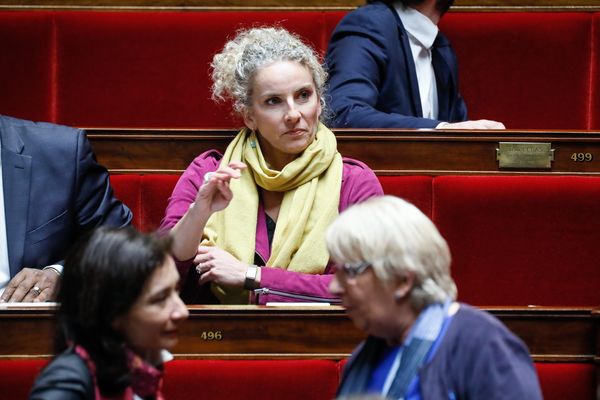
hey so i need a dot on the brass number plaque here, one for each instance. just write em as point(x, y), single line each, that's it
point(211, 335)
point(582, 157)
point(525, 155)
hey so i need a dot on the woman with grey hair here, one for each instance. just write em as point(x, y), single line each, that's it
point(393, 277)
point(253, 220)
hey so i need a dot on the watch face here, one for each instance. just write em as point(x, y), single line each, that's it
point(250, 281)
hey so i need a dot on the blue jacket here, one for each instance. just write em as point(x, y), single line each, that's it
point(373, 81)
point(478, 358)
point(54, 190)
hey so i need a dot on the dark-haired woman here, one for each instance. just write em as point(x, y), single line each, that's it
point(119, 313)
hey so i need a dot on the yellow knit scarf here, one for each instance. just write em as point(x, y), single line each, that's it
point(311, 183)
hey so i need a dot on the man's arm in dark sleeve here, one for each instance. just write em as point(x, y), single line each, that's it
point(357, 59)
point(95, 201)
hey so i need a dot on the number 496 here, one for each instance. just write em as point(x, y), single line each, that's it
point(211, 335)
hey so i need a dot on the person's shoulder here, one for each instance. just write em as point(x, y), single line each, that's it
point(359, 183)
point(375, 14)
point(67, 362)
point(355, 169)
point(475, 325)
point(36, 127)
point(209, 159)
point(353, 165)
point(40, 134)
point(468, 314)
point(376, 8)
point(67, 375)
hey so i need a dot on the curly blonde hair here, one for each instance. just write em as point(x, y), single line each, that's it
point(235, 66)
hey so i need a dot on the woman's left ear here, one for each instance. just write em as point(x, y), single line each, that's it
point(249, 120)
point(320, 109)
point(404, 286)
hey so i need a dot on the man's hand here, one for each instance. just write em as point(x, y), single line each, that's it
point(31, 284)
point(476, 124)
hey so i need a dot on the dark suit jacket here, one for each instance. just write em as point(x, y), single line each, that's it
point(54, 190)
point(67, 377)
point(373, 81)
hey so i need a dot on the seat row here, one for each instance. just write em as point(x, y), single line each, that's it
point(281, 379)
point(515, 240)
point(151, 68)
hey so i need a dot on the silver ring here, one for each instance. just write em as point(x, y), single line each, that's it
point(207, 177)
point(36, 290)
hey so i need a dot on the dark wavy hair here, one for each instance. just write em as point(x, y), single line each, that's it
point(441, 5)
point(103, 276)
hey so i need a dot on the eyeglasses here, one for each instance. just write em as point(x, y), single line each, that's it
point(353, 270)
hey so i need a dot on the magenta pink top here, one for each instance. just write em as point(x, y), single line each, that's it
point(358, 183)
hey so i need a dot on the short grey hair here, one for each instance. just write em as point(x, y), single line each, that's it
point(235, 66)
point(396, 238)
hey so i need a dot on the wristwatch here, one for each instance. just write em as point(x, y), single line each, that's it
point(250, 281)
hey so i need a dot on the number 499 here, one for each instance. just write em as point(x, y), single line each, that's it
point(582, 157)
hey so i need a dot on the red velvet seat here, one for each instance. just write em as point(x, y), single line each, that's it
point(562, 381)
point(156, 190)
point(514, 240)
point(147, 195)
point(27, 67)
point(528, 70)
point(17, 377)
point(277, 379)
point(522, 240)
point(414, 189)
point(152, 69)
point(595, 76)
point(251, 379)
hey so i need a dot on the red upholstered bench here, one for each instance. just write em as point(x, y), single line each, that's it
point(514, 240)
point(147, 195)
point(151, 68)
point(526, 69)
point(251, 379)
point(522, 240)
point(17, 376)
point(278, 379)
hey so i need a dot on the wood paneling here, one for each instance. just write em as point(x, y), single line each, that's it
point(255, 332)
point(206, 5)
point(391, 152)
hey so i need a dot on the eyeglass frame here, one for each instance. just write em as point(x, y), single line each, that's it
point(353, 270)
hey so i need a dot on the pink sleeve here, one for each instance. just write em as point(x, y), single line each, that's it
point(359, 183)
point(187, 187)
point(184, 194)
point(288, 286)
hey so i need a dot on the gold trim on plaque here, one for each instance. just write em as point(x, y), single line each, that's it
point(529, 155)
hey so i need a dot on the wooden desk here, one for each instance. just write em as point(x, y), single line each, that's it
point(256, 332)
point(387, 152)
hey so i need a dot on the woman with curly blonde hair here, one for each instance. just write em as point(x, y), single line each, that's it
point(253, 220)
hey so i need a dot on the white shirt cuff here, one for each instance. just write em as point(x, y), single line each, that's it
point(56, 267)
